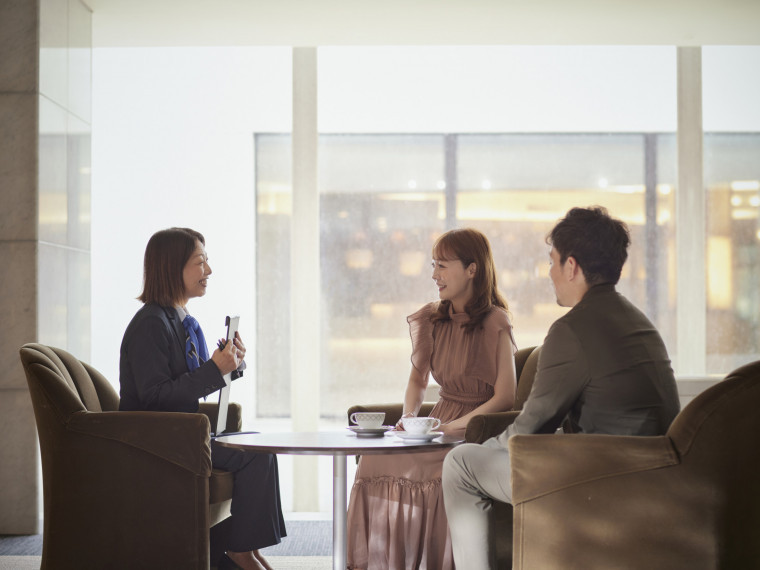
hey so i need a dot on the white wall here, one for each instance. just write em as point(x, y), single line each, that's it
point(173, 146)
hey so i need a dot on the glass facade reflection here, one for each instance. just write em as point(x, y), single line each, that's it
point(732, 180)
point(385, 198)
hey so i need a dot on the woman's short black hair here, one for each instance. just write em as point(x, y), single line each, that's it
point(166, 255)
point(597, 241)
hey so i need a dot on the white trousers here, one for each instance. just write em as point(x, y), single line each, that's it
point(474, 476)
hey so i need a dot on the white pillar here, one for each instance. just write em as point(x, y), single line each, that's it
point(305, 281)
point(691, 226)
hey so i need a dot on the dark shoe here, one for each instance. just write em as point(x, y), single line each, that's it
point(226, 563)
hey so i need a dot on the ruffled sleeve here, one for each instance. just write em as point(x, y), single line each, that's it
point(494, 325)
point(497, 322)
point(421, 332)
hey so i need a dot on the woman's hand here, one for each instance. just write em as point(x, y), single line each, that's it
point(227, 359)
point(452, 429)
point(399, 424)
point(240, 346)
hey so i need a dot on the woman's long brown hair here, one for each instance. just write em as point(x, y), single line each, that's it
point(468, 245)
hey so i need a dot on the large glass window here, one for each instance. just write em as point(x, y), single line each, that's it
point(385, 198)
point(731, 80)
point(415, 141)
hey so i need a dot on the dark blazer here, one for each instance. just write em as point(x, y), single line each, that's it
point(604, 367)
point(153, 370)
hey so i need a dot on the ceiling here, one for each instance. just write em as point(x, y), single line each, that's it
point(133, 23)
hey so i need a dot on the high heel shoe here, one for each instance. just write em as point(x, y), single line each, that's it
point(227, 563)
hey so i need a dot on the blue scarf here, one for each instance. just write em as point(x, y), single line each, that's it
point(196, 351)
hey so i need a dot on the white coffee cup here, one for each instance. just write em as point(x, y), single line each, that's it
point(368, 420)
point(421, 425)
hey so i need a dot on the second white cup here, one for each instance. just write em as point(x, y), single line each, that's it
point(368, 420)
point(421, 425)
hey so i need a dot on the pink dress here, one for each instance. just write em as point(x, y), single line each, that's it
point(396, 517)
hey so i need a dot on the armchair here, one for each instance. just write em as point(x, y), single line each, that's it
point(688, 499)
point(121, 489)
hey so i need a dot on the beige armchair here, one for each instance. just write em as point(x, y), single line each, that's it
point(121, 489)
point(479, 429)
point(687, 500)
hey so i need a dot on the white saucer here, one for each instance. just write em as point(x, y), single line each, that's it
point(418, 436)
point(368, 432)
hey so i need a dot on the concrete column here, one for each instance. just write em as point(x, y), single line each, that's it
point(45, 102)
point(19, 41)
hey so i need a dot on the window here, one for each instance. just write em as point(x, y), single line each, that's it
point(731, 78)
point(540, 130)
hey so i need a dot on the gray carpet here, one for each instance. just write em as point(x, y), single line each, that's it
point(277, 562)
point(305, 538)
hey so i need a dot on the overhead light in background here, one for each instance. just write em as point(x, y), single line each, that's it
point(441, 185)
point(411, 197)
point(745, 185)
point(631, 189)
point(411, 263)
point(359, 258)
point(486, 184)
point(603, 183)
point(736, 201)
point(664, 189)
point(412, 184)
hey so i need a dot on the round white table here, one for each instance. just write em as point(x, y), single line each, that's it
point(338, 444)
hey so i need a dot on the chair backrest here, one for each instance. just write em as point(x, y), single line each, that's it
point(717, 436)
point(730, 406)
point(68, 384)
point(526, 363)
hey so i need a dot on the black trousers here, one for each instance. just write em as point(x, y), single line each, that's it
point(256, 521)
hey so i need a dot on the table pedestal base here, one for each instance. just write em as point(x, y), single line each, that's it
point(339, 512)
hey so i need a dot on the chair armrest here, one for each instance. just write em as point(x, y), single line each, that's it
point(179, 438)
point(234, 415)
point(392, 411)
point(486, 426)
point(544, 464)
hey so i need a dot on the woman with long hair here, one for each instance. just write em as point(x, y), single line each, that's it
point(396, 516)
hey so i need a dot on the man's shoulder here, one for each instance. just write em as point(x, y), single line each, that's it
point(604, 312)
point(601, 302)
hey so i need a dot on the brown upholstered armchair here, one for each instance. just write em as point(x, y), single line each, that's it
point(479, 429)
point(687, 500)
point(121, 489)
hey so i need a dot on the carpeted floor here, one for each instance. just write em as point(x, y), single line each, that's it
point(305, 538)
point(308, 546)
point(277, 562)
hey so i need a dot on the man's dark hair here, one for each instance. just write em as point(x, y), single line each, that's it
point(597, 241)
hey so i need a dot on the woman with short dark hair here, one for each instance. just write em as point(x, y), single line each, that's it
point(165, 366)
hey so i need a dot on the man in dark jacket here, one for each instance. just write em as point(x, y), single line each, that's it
point(603, 369)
